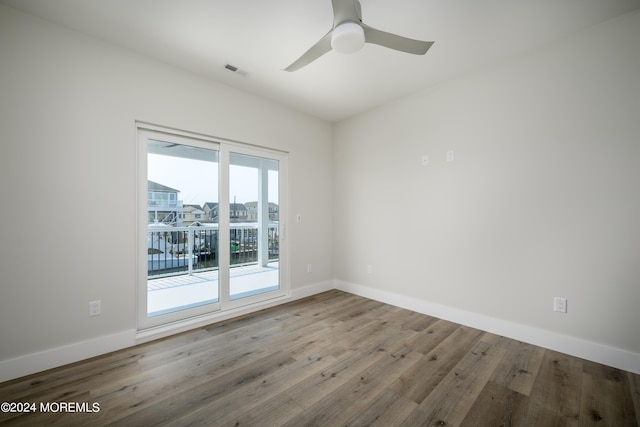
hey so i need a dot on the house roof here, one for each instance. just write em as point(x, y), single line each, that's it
point(154, 186)
point(254, 205)
point(193, 209)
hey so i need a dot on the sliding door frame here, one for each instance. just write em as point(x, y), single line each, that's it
point(224, 147)
point(225, 153)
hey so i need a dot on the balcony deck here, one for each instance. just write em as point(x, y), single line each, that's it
point(168, 294)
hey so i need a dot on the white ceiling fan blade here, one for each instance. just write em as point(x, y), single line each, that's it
point(346, 11)
point(316, 51)
point(393, 41)
point(350, 11)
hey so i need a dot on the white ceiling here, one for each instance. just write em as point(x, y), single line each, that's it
point(262, 37)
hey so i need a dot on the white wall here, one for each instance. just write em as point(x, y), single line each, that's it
point(542, 199)
point(68, 105)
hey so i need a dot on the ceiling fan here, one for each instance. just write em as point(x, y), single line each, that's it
point(349, 34)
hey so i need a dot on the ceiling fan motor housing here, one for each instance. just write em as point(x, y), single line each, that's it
point(349, 34)
point(347, 37)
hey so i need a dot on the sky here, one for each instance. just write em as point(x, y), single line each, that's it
point(197, 180)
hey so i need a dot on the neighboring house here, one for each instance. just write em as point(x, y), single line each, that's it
point(252, 211)
point(274, 212)
point(238, 212)
point(163, 205)
point(211, 210)
point(193, 213)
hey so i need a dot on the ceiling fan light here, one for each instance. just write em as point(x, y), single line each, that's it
point(347, 37)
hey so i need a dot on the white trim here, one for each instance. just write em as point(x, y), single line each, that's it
point(60, 356)
point(205, 320)
point(197, 135)
point(168, 329)
point(599, 353)
point(224, 148)
point(313, 289)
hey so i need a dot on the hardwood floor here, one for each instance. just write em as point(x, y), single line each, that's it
point(334, 359)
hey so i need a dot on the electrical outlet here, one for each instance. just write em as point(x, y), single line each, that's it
point(560, 305)
point(425, 160)
point(309, 269)
point(450, 156)
point(369, 269)
point(95, 308)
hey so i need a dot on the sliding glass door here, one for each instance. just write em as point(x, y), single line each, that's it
point(254, 226)
point(210, 226)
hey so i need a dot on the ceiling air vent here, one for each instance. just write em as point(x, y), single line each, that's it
point(235, 70)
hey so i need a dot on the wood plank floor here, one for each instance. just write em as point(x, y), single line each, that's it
point(334, 359)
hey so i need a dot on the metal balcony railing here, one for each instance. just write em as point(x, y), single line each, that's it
point(165, 203)
point(186, 250)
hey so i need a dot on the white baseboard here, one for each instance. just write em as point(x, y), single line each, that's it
point(59, 356)
point(313, 289)
point(610, 356)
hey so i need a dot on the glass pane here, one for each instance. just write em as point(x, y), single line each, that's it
point(182, 232)
point(254, 233)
